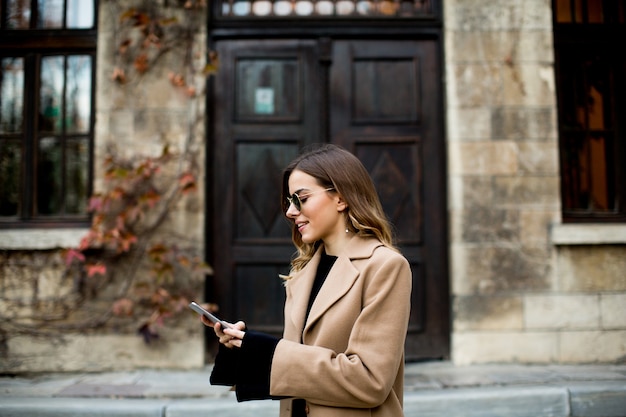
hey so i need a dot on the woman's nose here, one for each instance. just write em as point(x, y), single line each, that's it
point(292, 211)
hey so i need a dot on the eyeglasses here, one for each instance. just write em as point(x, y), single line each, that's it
point(297, 201)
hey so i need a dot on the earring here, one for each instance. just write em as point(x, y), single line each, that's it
point(347, 231)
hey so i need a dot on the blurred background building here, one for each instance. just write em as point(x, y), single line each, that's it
point(494, 130)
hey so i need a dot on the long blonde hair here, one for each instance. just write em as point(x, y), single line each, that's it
point(334, 167)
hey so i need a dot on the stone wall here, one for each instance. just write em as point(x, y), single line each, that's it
point(138, 118)
point(518, 295)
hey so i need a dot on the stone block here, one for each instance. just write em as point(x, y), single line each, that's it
point(538, 158)
point(53, 284)
point(602, 399)
point(477, 191)
point(505, 46)
point(592, 346)
point(561, 311)
point(458, 269)
point(476, 85)
point(613, 311)
point(527, 192)
point(535, 226)
point(493, 347)
point(483, 158)
point(62, 407)
point(176, 349)
point(223, 408)
point(487, 15)
point(529, 84)
point(487, 313)
point(469, 124)
point(591, 268)
point(486, 224)
point(524, 123)
point(489, 402)
point(502, 270)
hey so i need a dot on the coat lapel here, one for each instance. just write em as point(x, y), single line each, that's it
point(340, 279)
point(338, 282)
point(300, 289)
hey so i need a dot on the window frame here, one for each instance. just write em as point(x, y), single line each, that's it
point(576, 39)
point(32, 45)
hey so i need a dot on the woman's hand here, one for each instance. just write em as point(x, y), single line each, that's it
point(229, 337)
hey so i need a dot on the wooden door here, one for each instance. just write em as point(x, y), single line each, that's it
point(379, 99)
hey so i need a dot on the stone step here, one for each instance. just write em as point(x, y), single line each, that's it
point(596, 399)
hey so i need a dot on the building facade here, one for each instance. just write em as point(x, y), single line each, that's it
point(506, 268)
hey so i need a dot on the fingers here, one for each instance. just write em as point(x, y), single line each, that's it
point(206, 321)
point(230, 336)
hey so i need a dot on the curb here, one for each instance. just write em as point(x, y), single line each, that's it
point(595, 399)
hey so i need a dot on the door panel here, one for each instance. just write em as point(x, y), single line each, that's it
point(265, 109)
point(379, 99)
point(384, 108)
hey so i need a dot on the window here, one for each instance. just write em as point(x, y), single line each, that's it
point(591, 88)
point(47, 72)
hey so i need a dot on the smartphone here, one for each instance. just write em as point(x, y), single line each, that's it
point(195, 307)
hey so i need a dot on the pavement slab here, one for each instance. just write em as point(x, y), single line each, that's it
point(432, 389)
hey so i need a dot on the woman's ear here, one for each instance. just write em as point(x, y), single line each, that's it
point(341, 204)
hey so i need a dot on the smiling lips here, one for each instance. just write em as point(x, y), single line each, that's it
point(301, 225)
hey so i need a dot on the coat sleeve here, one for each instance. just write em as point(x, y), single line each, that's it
point(247, 368)
point(362, 375)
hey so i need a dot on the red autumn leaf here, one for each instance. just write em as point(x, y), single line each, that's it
point(128, 14)
point(97, 268)
point(141, 19)
point(150, 198)
point(123, 307)
point(141, 63)
point(168, 21)
point(176, 79)
point(95, 203)
point(158, 251)
point(119, 75)
point(73, 254)
point(126, 242)
point(124, 46)
point(187, 183)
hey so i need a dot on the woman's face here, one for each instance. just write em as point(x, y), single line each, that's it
point(319, 217)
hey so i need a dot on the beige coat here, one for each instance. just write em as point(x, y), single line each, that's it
point(351, 362)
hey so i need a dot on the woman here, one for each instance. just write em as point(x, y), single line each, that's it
point(347, 306)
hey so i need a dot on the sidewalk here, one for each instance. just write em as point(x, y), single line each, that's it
point(434, 389)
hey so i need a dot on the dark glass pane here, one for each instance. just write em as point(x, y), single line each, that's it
point(587, 134)
point(18, 14)
point(10, 178)
point(51, 94)
point(587, 174)
point(49, 176)
point(563, 11)
point(268, 89)
point(578, 11)
point(594, 11)
point(598, 94)
point(11, 95)
point(78, 94)
point(80, 14)
point(50, 14)
point(77, 173)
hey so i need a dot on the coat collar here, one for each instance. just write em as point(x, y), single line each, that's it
point(339, 281)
